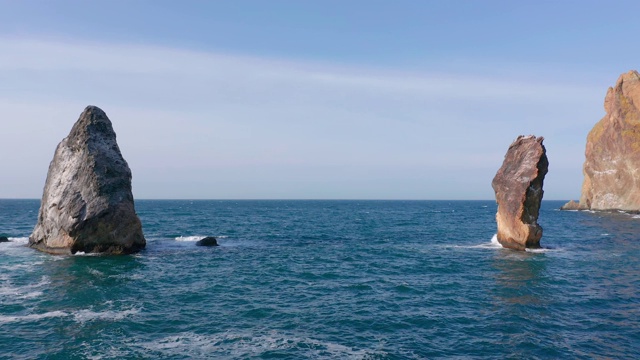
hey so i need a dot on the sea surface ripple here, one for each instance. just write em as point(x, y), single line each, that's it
point(326, 280)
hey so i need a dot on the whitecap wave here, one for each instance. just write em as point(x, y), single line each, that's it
point(493, 244)
point(19, 240)
point(542, 250)
point(4, 319)
point(250, 346)
point(16, 267)
point(197, 237)
point(89, 315)
point(95, 272)
point(30, 291)
point(80, 316)
point(82, 253)
point(189, 238)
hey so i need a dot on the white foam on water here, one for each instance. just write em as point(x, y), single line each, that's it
point(16, 267)
point(31, 295)
point(89, 315)
point(250, 346)
point(635, 217)
point(189, 238)
point(4, 319)
point(494, 244)
point(127, 276)
point(95, 272)
point(14, 244)
point(82, 253)
point(197, 238)
point(30, 291)
point(542, 250)
point(19, 240)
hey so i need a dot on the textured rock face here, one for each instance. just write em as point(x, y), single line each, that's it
point(612, 156)
point(518, 187)
point(87, 204)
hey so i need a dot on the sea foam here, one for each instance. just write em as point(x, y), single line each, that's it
point(4, 319)
point(249, 345)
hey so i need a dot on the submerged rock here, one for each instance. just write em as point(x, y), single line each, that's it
point(612, 155)
point(518, 187)
point(208, 241)
point(87, 204)
point(4, 239)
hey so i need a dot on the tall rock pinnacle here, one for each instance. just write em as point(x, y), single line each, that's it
point(87, 204)
point(518, 187)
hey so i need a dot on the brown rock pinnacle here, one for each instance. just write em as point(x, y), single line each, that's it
point(518, 187)
point(612, 156)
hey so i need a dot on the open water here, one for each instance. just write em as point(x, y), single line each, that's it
point(327, 280)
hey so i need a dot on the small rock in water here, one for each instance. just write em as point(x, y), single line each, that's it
point(208, 241)
point(3, 239)
point(518, 188)
point(572, 205)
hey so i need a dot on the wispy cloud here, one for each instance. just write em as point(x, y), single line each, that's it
point(197, 124)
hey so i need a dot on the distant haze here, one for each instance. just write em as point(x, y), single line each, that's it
point(310, 100)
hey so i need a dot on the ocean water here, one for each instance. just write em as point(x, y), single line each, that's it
point(327, 280)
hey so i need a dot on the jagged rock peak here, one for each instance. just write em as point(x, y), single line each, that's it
point(87, 204)
point(518, 188)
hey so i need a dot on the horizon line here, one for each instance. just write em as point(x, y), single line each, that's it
point(294, 199)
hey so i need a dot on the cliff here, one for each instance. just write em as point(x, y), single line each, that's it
point(612, 156)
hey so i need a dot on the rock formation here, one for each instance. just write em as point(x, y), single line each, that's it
point(208, 241)
point(87, 204)
point(572, 205)
point(612, 156)
point(518, 187)
point(4, 239)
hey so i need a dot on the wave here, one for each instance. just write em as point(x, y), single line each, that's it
point(22, 292)
point(542, 250)
point(19, 240)
point(80, 316)
point(190, 238)
point(493, 244)
point(16, 267)
point(4, 319)
point(250, 346)
point(197, 238)
point(15, 242)
point(89, 315)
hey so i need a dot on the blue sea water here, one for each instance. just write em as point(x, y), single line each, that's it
point(327, 280)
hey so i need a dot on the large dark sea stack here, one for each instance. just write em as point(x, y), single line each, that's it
point(87, 203)
point(518, 187)
point(612, 156)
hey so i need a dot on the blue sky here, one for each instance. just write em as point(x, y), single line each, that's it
point(311, 99)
